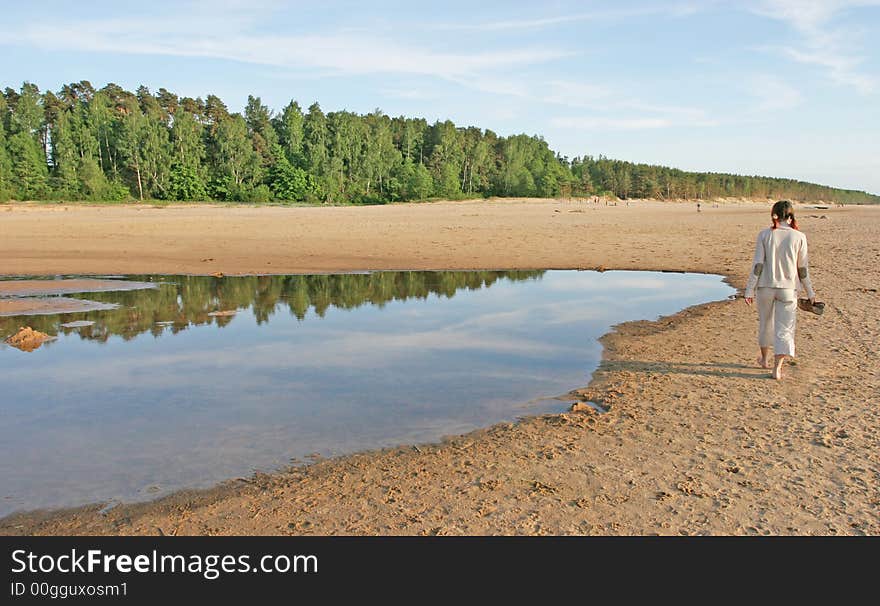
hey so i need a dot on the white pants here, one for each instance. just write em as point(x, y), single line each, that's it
point(777, 319)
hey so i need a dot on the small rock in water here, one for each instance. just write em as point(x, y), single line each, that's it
point(28, 339)
point(77, 324)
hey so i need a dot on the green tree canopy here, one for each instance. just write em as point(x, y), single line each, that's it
point(83, 142)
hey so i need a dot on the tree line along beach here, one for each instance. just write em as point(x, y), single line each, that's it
point(110, 144)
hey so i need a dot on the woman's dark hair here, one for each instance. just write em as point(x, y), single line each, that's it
point(782, 211)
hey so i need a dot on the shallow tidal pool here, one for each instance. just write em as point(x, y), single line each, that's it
point(201, 379)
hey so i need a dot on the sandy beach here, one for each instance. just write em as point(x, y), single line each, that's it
point(698, 440)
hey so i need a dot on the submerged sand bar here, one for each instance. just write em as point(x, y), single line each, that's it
point(41, 288)
point(40, 306)
point(40, 297)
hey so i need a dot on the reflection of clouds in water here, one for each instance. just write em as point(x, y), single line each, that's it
point(600, 282)
point(593, 307)
point(349, 349)
point(446, 339)
point(324, 347)
point(596, 284)
point(546, 313)
point(207, 404)
point(507, 318)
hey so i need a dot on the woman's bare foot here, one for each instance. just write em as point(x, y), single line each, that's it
point(777, 368)
point(762, 362)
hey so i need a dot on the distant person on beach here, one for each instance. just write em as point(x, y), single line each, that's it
point(698, 207)
point(778, 270)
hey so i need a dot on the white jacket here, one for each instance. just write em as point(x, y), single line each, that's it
point(780, 261)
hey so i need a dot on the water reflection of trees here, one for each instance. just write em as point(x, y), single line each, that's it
point(183, 301)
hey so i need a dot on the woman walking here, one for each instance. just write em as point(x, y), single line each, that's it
point(779, 269)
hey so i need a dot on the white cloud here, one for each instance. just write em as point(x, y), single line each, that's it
point(233, 34)
point(679, 9)
point(615, 112)
point(827, 44)
point(841, 68)
point(600, 123)
point(537, 23)
point(772, 94)
point(416, 94)
point(574, 94)
point(340, 53)
point(602, 100)
point(808, 15)
point(485, 83)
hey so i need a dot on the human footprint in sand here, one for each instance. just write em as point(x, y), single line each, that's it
point(779, 270)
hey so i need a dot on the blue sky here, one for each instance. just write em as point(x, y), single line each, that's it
point(777, 87)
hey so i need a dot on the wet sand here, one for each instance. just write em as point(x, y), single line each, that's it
point(698, 440)
point(35, 288)
point(38, 297)
point(33, 306)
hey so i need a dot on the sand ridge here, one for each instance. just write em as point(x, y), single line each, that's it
point(35, 288)
point(697, 439)
point(37, 297)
